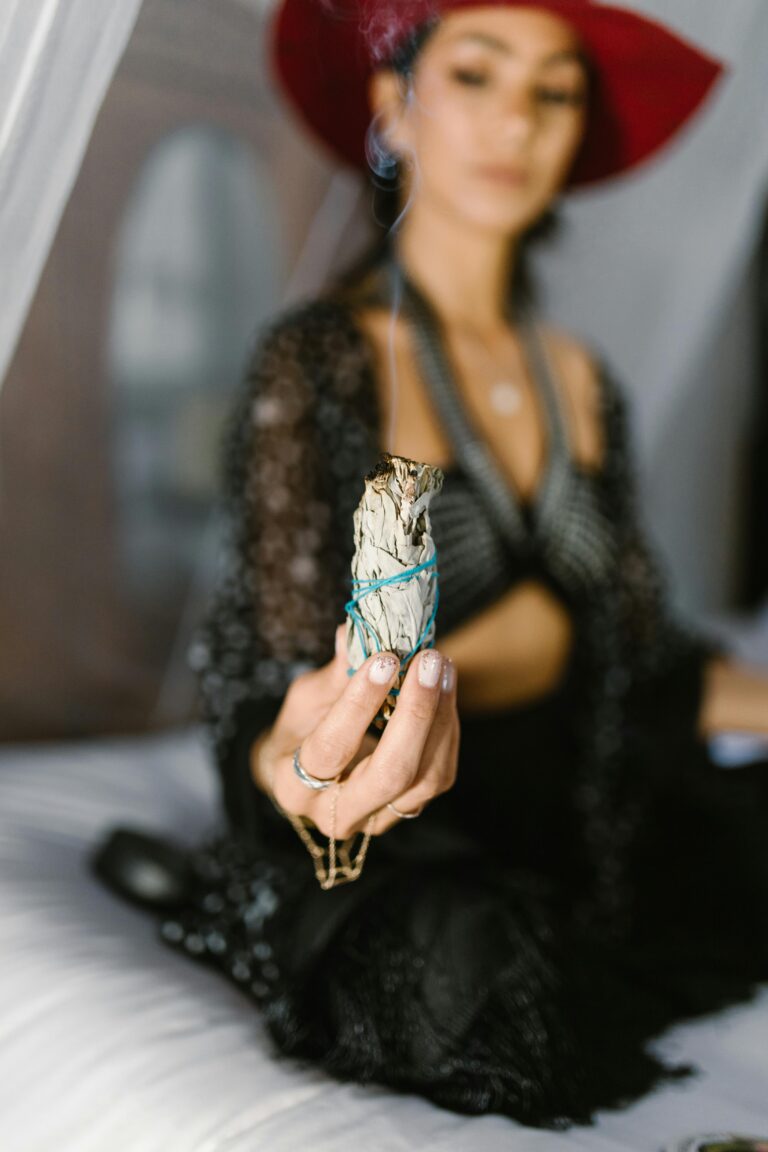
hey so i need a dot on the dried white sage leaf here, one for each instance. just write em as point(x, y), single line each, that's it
point(394, 568)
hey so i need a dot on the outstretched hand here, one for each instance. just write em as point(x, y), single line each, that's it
point(328, 713)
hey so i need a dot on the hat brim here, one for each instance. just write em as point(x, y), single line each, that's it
point(649, 80)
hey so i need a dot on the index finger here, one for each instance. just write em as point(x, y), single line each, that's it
point(394, 765)
point(327, 751)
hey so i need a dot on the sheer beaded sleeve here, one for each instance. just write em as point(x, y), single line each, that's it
point(667, 655)
point(280, 590)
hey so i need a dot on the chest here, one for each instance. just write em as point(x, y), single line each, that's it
point(492, 549)
point(499, 395)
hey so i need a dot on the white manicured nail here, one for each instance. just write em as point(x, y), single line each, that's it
point(383, 668)
point(430, 666)
point(449, 675)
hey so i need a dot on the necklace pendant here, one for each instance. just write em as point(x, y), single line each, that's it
point(506, 398)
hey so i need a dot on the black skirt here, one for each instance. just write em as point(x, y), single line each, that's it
point(454, 968)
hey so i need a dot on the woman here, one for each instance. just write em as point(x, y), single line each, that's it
point(579, 875)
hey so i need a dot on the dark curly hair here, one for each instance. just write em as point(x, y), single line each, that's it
point(386, 207)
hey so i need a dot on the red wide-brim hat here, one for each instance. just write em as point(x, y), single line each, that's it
point(649, 80)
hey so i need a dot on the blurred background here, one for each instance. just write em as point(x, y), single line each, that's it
point(158, 202)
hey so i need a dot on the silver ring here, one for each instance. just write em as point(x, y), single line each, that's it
point(312, 782)
point(406, 815)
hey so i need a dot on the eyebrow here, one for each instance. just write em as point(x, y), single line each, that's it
point(501, 46)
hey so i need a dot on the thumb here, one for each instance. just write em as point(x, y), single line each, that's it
point(341, 656)
point(338, 667)
point(335, 669)
point(325, 684)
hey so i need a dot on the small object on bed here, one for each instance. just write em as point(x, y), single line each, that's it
point(720, 1142)
point(394, 569)
point(145, 869)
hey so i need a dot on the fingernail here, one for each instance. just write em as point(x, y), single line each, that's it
point(383, 668)
point(341, 640)
point(430, 663)
point(449, 675)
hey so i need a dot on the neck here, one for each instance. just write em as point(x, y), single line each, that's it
point(464, 273)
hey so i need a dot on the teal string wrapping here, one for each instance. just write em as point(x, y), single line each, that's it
point(362, 588)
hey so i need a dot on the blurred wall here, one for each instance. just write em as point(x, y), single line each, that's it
point(659, 270)
point(184, 230)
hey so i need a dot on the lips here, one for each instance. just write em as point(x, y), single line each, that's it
point(502, 174)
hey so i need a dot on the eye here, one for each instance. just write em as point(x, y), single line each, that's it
point(469, 77)
point(560, 96)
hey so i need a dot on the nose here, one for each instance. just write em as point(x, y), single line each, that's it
point(516, 117)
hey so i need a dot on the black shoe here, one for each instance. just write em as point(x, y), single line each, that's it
point(143, 868)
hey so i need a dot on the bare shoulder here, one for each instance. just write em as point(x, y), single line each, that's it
point(578, 372)
point(578, 363)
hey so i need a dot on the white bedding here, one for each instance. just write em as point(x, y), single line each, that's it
point(111, 1042)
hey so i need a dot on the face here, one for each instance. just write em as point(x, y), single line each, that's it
point(495, 115)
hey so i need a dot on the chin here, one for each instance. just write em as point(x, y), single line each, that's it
point(507, 220)
point(505, 211)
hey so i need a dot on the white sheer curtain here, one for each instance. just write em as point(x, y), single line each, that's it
point(57, 58)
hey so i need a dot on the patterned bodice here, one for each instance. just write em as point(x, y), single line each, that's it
point(487, 536)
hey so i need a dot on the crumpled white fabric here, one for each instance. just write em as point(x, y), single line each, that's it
point(392, 536)
point(110, 1040)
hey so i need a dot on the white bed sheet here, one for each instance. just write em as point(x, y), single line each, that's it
point(111, 1042)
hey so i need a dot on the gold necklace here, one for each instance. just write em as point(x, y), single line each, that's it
point(341, 867)
point(504, 395)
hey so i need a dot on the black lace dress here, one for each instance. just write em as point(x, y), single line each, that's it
point(592, 876)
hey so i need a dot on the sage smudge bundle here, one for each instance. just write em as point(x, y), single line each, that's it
point(394, 569)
